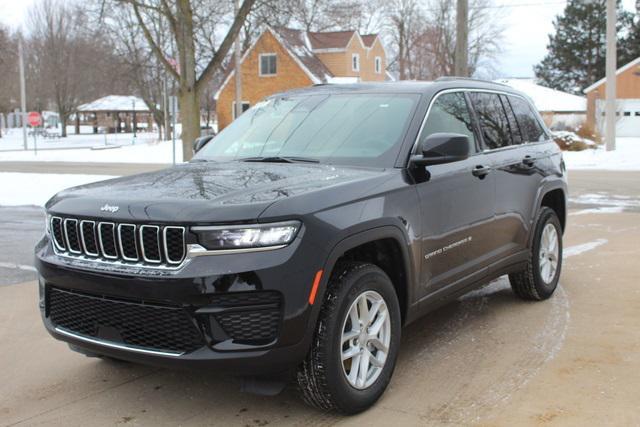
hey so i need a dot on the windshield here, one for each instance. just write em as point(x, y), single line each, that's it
point(352, 129)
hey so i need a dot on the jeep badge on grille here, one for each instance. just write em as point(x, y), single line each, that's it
point(108, 208)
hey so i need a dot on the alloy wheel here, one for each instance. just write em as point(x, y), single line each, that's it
point(366, 335)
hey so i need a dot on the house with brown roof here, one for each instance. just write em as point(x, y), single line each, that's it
point(283, 58)
point(627, 100)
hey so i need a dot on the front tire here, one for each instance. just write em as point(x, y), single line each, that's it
point(356, 342)
point(539, 279)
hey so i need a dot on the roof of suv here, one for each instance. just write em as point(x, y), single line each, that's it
point(422, 87)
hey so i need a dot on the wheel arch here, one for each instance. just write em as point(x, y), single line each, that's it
point(385, 247)
point(556, 200)
point(553, 196)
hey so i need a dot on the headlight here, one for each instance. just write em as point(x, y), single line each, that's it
point(247, 236)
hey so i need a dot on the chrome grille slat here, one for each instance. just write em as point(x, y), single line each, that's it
point(120, 244)
point(89, 241)
point(128, 245)
point(168, 243)
point(71, 235)
point(150, 254)
point(107, 253)
point(57, 233)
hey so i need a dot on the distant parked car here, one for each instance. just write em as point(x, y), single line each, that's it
point(201, 142)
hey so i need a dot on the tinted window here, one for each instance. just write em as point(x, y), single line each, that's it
point(531, 129)
point(353, 129)
point(513, 124)
point(493, 121)
point(449, 114)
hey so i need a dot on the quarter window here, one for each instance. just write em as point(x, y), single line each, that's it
point(449, 114)
point(493, 120)
point(268, 64)
point(531, 129)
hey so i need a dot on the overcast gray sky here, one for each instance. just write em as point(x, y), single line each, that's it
point(527, 24)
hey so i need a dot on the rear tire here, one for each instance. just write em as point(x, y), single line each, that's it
point(324, 379)
point(539, 279)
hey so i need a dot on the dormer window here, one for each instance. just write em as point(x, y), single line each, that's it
point(378, 65)
point(355, 62)
point(268, 64)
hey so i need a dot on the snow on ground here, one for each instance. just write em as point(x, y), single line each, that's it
point(580, 249)
point(13, 140)
point(119, 149)
point(625, 157)
point(35, 189)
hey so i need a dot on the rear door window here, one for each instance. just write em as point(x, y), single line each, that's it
point(516, 134)
point(493, 119)
point(450, 114)
point(531, 129)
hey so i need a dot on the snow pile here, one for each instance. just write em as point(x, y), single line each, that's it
point(625, 157)
point(571, 141)
point(35, 189)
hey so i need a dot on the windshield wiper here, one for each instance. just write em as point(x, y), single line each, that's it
point(280, 159)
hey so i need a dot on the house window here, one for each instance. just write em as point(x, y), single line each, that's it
point(378, 65)
point(355, 62)
point(245, 107)
point(268, 64)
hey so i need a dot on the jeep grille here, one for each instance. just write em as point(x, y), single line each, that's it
point(154, 245)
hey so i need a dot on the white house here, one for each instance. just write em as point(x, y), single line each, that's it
point(559, 109)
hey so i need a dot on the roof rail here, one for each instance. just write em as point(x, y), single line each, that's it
point(449, 78)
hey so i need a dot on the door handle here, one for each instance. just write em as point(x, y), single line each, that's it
point(528, 161)
point(481, 171)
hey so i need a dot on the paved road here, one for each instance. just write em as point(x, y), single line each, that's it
point(487, 359)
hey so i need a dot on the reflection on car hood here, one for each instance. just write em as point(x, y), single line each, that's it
point(204, 192)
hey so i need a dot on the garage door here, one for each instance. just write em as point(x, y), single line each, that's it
point(628, 120)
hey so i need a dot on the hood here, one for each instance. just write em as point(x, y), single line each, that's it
point(205, 192)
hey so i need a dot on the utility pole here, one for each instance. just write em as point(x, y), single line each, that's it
point(23, 94)
point(461, 65)
point(165, 105)
point(610, 109)
point(237, 60)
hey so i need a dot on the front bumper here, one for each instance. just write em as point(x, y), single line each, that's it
point(217, 295)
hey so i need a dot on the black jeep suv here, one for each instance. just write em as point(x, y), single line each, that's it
point(307, 233)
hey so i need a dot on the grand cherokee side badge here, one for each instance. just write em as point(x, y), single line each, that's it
point(108, 208)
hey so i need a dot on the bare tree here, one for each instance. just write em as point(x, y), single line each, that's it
point(68, 62)
point(145, 71)
point(186, 20)
point(423, 39)
point(54, 54)
point(8, 71)
point(405, 21)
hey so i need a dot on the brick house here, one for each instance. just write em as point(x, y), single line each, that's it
point(282, 59)
point(628, 100)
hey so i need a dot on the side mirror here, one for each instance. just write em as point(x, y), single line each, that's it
point(199, 143)
point(440, 148)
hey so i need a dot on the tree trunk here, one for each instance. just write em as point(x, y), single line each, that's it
point(190, 119)
point(63, 121)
